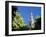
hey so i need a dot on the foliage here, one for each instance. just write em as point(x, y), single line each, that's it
point(37, 23)
point(18, 23)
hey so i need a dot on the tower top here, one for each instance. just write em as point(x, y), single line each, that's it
point(31, 20)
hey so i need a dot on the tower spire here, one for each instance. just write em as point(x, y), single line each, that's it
point(32, 25)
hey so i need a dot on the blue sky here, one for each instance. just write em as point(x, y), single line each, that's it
point(26, 10)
